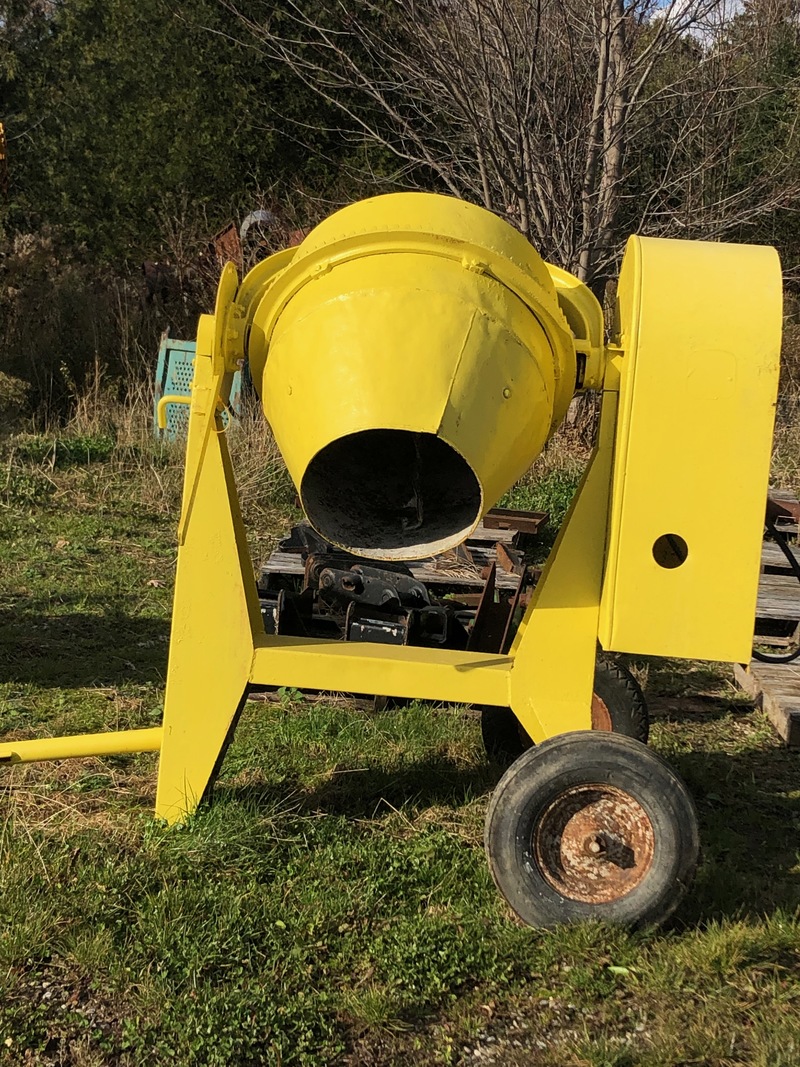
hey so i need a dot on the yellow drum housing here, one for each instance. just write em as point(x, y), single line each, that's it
point(412, 361)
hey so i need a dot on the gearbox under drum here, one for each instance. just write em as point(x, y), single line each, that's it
point(466, 599)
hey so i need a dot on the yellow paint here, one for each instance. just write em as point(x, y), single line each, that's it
point(215, 610)
point(113, 743)
point(585, 317)
point(416, 312)
point(161, 407)
point(386, 670)
point(555, 647)
point(700, 327)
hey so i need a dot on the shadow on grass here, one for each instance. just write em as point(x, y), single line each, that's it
point(363, 792)
point(677, 679)
point(749, 810)
point(748, 818)
point(699, 709)
point(74, 649)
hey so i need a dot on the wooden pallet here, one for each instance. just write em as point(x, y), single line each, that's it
point(773, 557)
point(775, 687)
point(437, 570)
point(468, 574)
point(778, 587)
point(778, 597)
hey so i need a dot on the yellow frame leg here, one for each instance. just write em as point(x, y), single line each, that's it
point(555, 648)
point(216, 609)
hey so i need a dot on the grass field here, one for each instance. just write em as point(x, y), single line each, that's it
point(333, 905)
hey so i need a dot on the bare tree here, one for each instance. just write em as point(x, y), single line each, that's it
point(578, 120)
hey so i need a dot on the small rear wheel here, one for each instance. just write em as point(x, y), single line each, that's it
point(618, 705)
point(591, 826)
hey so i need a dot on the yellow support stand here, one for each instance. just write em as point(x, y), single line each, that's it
point(218, 647)
point(216, 610)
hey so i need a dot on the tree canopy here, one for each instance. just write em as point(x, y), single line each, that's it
point(119, 114)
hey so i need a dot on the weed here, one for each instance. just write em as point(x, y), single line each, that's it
point(23, 488)
point(59, 452)
point(552, 492)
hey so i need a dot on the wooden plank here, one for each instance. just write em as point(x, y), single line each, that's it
point(779, 597)
point(784, 495)
point(781, 586)
point(771, 555)
point(778, 594)
point(482, 534)
point(775, 687)
point(434, 571)
point(777, 612)
point(746, 680)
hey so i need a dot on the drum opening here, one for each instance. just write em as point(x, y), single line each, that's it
point(391, 494)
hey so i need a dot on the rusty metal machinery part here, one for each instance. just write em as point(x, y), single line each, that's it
point(371, 585)
point(601, 714)
point(591, 825)
point(594, 843)
point(336, 597)
point(618, 705)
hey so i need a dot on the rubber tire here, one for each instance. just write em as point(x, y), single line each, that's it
point(504, 738)
point(582, 758)
point(623, 696)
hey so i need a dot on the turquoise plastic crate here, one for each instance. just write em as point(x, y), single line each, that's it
point(174, 374)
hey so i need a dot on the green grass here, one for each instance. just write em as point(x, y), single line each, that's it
point(551, 492)
point(65, 451)
point(549, 486)
point(333, 904)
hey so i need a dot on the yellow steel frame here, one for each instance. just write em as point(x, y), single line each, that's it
point(218, 646)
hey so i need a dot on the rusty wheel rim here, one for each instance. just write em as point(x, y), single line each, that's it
point(601, 716)
point(594, 843)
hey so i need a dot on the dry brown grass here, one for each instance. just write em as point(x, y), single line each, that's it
point(566, 452)
point(266, 493)
point(151, 469)
point(54, 799)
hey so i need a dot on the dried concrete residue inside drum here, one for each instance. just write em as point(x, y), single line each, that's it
point(391, 494)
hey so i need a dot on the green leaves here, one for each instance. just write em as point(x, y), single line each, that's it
point(120, 114)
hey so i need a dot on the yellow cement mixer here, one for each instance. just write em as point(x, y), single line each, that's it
point(413, 355)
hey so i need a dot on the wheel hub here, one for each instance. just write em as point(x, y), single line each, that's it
point(601, 716)
point(594, 843)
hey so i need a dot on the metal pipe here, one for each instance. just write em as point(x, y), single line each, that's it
point(112, 743)
point(161, 407)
